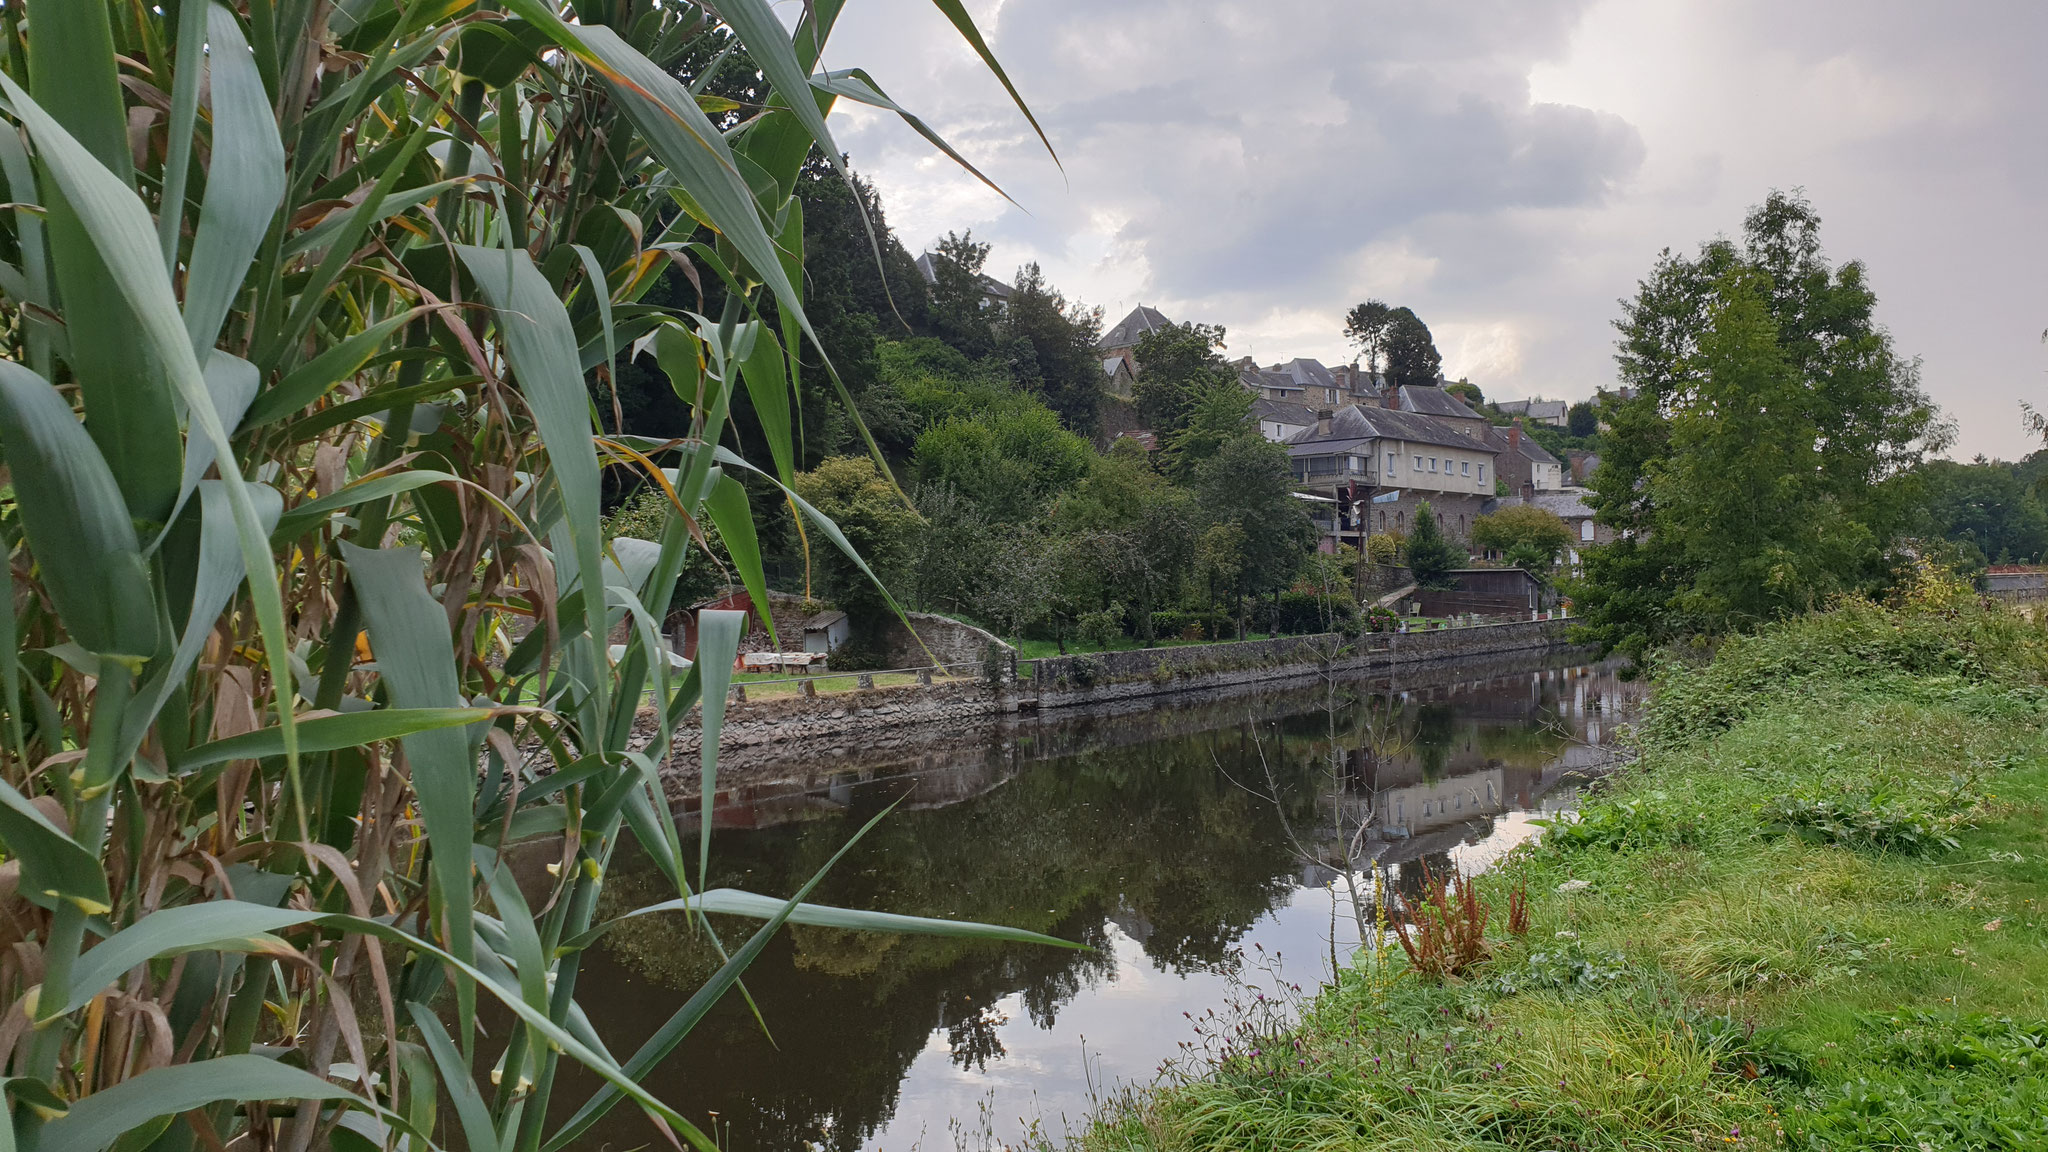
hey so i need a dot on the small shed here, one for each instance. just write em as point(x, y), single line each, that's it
point(731, 601)
point(826, 631)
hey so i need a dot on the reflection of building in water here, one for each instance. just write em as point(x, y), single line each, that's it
point(1453, 758)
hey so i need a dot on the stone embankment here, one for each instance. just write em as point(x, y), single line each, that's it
point(881, 720)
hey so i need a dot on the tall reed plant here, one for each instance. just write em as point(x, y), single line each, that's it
point(307, 303)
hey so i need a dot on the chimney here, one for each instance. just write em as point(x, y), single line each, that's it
point(1515, 441)
point(1393, 397)
point(1323, 416)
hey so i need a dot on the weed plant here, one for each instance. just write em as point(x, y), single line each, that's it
point(1808, 917)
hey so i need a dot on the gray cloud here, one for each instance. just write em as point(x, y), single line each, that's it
point(1508, 169)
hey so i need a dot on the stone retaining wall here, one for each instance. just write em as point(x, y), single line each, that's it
point(1069, 681)
point(884, 720)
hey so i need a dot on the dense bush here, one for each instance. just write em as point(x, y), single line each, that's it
point(1939, 628)
point(1306, 613)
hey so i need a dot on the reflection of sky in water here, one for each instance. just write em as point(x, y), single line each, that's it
point(1126, 1025)
point(1136, 831)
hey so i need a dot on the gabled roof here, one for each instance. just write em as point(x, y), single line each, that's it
point(1130, 328)
point(1531, 450)
point(1535, 409)
point(1429, 400)
point(1306, 373)
point(1355, 424)
point(1111, 364)
point(1565, 503)
point(1261, 381)
point(990, 286)
point(1283, 412)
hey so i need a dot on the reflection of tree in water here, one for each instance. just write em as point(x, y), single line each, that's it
point(973, 1040)
point(1435, 735)
point(1150, 836)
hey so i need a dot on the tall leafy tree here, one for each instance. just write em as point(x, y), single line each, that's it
point(1986, 507)
point(1177, 366)
point(1411, 352)
point(1766, 457)
point(961, 313)
point(1051, 349)
point(1366, 326)
point(1247, 487)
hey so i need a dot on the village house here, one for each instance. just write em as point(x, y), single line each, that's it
point(1553, 412)
point(1371, 467)
point(994, 293)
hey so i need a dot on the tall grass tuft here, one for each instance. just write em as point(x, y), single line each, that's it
point(309, 308)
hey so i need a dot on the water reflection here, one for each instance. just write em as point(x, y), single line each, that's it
point(1168, 838)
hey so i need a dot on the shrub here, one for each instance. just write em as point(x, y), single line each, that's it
point(1570, 968)
point(1931, 632)
point(1383, 547)
point(1636, 822)
point(1874, 821)
point(1308, 612)
point(1101, 629)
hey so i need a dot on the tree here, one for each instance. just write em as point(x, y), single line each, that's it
point(1008, 461)
point(1249, 486)
point(1177, 365)
point(1051, 349)
point(1987, 508)
point(1431, 554)
point(1525, 533)
point(1366, 326)
point(1143, 533)
point(1468, 392)
point(961, 313)
point(1581, 420)
point(1219, 413)
point(1767, 458)
point(1411, 352)
point(870, 512)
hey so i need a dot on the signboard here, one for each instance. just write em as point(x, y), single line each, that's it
point(1387, 497)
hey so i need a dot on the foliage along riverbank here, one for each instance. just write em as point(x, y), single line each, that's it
point(1810, 916)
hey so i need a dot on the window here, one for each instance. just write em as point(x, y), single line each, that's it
point(1482, 473)
point(1432, 463)
point(1464, 468)
point(1383, 521)
point(1418, 463)
point(1390, 463)
point(1585, 530)
point(1400, 521)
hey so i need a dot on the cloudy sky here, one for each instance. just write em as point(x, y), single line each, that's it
point(1508, 168)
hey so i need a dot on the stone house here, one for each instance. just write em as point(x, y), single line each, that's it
point(1377, 465)
point(1553, 412)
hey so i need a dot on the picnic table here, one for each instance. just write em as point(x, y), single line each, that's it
point(767, 661)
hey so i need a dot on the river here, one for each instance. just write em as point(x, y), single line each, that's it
point(1175, 838)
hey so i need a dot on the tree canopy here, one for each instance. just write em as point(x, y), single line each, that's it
point(1431, 555)
point(1177, 366)
point(1766, 459)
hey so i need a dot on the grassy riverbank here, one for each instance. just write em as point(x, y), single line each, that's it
point(1811, 916)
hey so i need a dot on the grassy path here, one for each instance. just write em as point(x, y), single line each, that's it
point(1812, 917)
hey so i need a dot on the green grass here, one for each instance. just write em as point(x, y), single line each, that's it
point(783, 682)
point(1735, 972)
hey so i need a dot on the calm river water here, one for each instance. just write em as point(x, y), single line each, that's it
point(1174, 838)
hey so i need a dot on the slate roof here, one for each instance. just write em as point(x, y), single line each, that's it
point(1429, 400)
point(1130, 328)
point(1284, 412)
point(1259, 380)
point(1531, 450)
point(1565, 503)
point(990, 286)
point(1535, 409)
point(1306, 373)
point(1353, 424)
